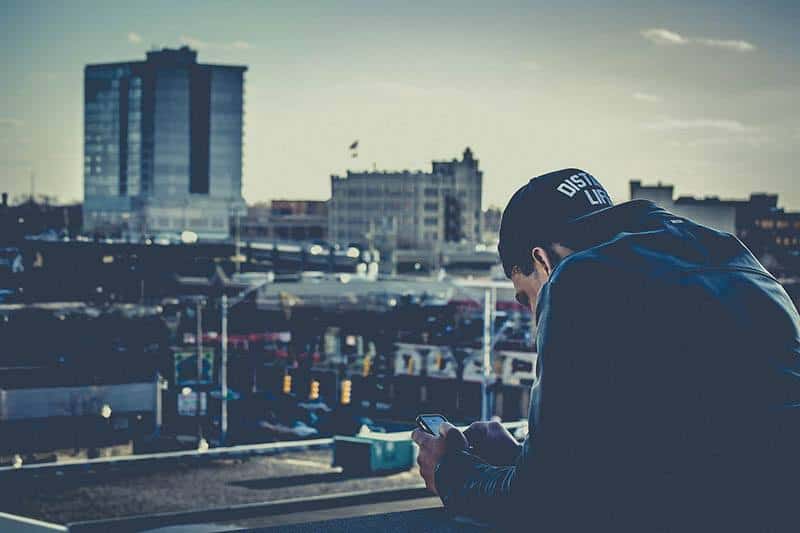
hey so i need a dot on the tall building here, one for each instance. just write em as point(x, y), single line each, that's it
point(163, 145)
point(408, 209)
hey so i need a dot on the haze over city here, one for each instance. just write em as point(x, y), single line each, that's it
point(704, 97)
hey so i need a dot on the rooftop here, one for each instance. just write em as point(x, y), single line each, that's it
point(211, 484)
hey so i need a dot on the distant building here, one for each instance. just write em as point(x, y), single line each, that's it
point(38, 217)
point(710, 212)
point(295, 220)
point(758, 221)
point(163, 145)
point(491, 225)
point(409, 209)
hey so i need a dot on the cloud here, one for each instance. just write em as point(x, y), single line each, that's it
point(134, 38)
point(665, 37)
point(200, 44)
point(755, 141)
point(677, 124)
point(194, 43)
point(709, 132)
point(738, 46)
point(10, 123)
point(647, 97)
point(662, 36)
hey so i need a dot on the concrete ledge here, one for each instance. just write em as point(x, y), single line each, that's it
point(236, 513)
point(10, 523)
point(434, 520)
point(133, 460)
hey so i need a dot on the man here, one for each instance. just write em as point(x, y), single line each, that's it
point(668, 390)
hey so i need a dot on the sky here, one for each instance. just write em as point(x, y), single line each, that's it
point(702, 95)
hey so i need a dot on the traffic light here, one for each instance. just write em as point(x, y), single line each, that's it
point(313, 393)
point(287, 384)
point(367, 366)
point(347, 385)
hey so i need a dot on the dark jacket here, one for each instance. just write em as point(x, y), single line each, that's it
point(668, 390)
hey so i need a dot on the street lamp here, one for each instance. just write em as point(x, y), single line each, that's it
point(223, 374)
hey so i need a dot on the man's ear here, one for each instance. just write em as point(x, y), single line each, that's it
point(541, 257)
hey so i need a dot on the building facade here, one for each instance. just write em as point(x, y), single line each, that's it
point(405, 210)
point(286, 220)
point(758, 221)
point(491, 225)
point(711, 212)
point(163, 145)
point(38, 217)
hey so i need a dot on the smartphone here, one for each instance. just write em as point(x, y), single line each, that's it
point(430, 423)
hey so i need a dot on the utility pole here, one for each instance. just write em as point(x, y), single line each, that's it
point(238, 250)
point(223, 373)
point(489, 298)
point(224, 370)
point(199, 342)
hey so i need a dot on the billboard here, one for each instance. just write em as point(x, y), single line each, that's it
point(186, 367)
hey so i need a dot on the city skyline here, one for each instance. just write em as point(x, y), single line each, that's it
point(703, 97)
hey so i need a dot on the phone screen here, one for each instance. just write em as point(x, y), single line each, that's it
point(431, 423)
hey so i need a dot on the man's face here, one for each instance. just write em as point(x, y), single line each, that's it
point(528, 287)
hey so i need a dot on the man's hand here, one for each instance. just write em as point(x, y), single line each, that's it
point(492, 442)
point(432, 449)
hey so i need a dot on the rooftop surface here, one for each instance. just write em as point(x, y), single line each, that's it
point(194, 486)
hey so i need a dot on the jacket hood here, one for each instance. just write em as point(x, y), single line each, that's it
point(643, 229)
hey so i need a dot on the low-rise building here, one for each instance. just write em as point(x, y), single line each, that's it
point(409, 209)
point(491, 225)
point(295, 220)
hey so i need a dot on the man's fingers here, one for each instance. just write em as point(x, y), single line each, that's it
point(444, 427)
point(475, 431)
point(420, 437)
point(453, 436)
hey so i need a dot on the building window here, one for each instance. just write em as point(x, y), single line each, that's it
point(431, 192)
point(431, 206)
point(431, 221)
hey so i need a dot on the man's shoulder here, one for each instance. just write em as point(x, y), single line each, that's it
point(580, 268)
point(593, 277)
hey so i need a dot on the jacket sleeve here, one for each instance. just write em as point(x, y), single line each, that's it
point(468, 486)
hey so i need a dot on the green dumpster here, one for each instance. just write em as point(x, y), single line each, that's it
point(374, 452)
